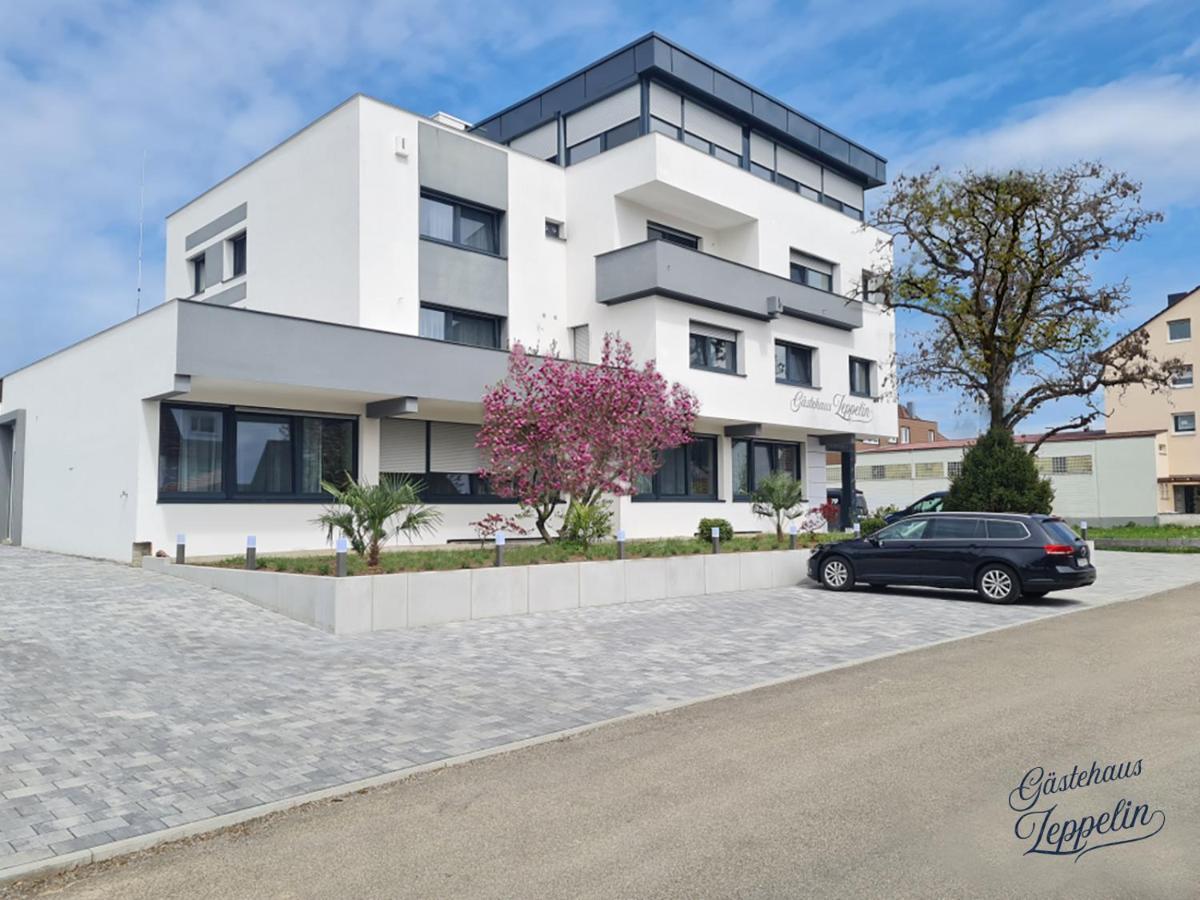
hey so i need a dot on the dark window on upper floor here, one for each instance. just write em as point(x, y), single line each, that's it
point(607, 140)
point(860, 377)
point(687, 472)
point(239, 255)
point(554, 229)
point(459, 327)
point(793, 364)
point(712, 348)
point(812, 277)
point(656, 232)
point(220, 454)
point(462, 224)
point(197, 263)
point(1179, 330)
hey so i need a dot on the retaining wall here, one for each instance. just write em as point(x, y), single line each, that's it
point(362, 603)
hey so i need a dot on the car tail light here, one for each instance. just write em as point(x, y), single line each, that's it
point(1059, 550)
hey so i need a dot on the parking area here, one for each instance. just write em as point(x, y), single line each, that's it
point(132, 702)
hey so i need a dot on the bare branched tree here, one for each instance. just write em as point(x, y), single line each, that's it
point(1001, 264)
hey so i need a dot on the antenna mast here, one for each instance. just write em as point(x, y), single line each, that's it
point(141, 228)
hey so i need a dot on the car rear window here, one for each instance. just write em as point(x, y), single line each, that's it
point(956, 529)
point(1002, 529)
point(1060, 531)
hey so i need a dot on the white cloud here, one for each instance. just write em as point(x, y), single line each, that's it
point(1148, 127)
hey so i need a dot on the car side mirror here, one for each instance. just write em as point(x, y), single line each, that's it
point(875, 542)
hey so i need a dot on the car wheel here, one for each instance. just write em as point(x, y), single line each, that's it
point(836, 574)
point(998, 584)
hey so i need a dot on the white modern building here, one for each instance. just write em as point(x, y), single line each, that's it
point(1103, 478)
point(342, 302)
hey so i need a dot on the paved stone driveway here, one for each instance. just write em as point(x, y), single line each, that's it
point(130, 701)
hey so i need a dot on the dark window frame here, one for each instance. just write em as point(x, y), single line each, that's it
point(607, 140)
point(798, 474)
point(865, 362)
point(706, 367)
point(655, 495)
point(676, 236)
point(496, 321)
point(229, 492)
point(790, 346)
point(458, 205)
point(479, 493)
point(197, 263)
point(1178, 340)
point(235, 241)
point(799, 273)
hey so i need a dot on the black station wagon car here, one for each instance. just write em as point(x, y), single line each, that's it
point(1003, 556)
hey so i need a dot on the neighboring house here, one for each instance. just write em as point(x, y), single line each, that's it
point(910, 429)
point(342, 303)
point(1172, 412)
point(1103, 478)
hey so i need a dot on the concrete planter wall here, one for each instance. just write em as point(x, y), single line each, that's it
point(408, 600)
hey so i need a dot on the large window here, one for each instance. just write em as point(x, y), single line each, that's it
point(860, 377)
point(1179, 330)
point(459, 327)
point(198, 274)
point(793, 364)
point(440, 455)
point(688, 472)
point(754, 460)
point(455, 222)
point(812, 271)
point(594, 146)
point(656, 232)
point(222, 453)
point(713, 348)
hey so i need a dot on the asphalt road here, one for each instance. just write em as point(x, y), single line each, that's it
point(888, 779)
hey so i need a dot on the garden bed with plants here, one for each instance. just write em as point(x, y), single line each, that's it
point(443, 559)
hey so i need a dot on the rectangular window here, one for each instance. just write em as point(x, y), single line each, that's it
point(1182, 378)
point(554, 229)
point(712, 348)
point(929, 469)
point(905, 434)
point(860, 377)
point(804, 275)
point(1179, 330)
point(761, 171)
point(459, 327)
point(441, 456)
point(954, 468)
point(656, 232)
point(594, 146)
point(793, 364)
point(198, 274)
point(190, 451)
point(687, 472)
point(1184, 423)
point(239, 255)
point(454, 222)
point(663, 127)
point(222, 453)
point(932, 435)
point(753, 460)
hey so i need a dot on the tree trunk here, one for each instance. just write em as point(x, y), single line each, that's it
point(543, 514)
point(373, 554)
point(778, 530)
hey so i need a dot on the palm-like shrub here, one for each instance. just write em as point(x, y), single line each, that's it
point(778, 497)
point(369, 514)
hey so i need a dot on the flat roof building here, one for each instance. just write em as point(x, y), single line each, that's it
point(343, 301)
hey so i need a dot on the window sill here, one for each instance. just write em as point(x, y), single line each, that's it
point(799, 384)
point(642, 498)
point(717, 371)
point(434, 240)
point(234, 501)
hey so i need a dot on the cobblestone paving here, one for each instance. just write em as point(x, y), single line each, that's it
point(132, 702)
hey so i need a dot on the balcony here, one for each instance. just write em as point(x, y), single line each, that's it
point(659, 268)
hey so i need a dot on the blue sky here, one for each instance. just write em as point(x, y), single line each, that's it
point(87, 87)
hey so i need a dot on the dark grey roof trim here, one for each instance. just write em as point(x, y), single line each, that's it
point(655, 55)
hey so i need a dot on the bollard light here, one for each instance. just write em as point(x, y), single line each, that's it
point(251, 552)
point(500, 541)
point(716, 539)
point(180, 548)
point(342, 547)
point(620, 543)
point(857, 530)
point(792, 529)
point(1083, 528)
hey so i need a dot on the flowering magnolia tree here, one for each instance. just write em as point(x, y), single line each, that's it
point(556, 430)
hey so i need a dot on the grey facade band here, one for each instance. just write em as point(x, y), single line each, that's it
point(215, 227)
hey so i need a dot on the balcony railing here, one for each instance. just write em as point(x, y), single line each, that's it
point(669, 270)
